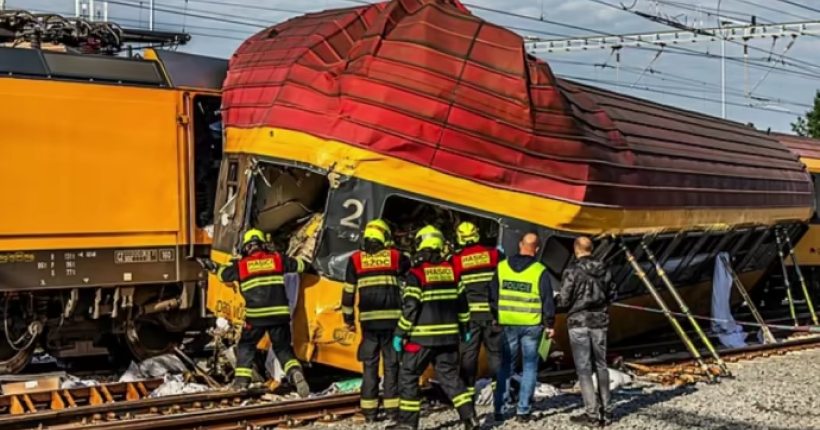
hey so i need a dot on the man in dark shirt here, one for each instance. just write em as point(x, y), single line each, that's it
point(587, 291)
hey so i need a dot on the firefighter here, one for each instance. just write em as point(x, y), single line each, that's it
point(434, 319)
point(261, 279)
point(374, 273)
point(476, 265)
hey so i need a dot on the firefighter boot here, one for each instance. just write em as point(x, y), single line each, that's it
point(395, 425)
point(471, 424)
point(240, 384)
point(297, 378)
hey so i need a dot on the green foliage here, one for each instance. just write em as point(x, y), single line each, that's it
point(809, 125)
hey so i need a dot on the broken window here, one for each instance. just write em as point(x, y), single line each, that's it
point(407, 216)
point(288, 203)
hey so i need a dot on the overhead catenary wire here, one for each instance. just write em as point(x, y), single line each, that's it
point(645, 88)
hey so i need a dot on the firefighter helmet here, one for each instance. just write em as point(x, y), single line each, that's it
point(429, 237)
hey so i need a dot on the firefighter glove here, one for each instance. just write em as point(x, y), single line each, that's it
point(397, 343)
point(208, 264)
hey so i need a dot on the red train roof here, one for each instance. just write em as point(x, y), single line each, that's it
point(427, 82)
point(802, 146)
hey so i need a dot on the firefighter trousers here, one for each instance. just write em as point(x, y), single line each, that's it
point(445, 363)
point(374, 345)
point(281, 342)
point(481, 333)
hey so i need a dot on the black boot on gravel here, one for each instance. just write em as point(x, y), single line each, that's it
point(605, 420)
point(498, 417)
point(398, 426)
point(471, 424)
point(584, 420)
point(298, 379)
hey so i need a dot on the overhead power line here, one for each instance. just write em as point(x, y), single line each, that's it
point(673, 37)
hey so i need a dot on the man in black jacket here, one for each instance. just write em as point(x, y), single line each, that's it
point(587, 291)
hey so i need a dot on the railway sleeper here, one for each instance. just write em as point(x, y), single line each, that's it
point(30, 403)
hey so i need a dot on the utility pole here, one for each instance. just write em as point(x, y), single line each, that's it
point(2, 4)
point(151, 15)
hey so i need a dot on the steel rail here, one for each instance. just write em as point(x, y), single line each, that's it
point(235, 417)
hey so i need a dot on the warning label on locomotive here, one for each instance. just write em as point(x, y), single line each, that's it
point(135, 256)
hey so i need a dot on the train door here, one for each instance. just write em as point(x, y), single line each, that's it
point(205, 144)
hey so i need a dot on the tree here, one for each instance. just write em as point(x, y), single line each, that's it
point(809, 125)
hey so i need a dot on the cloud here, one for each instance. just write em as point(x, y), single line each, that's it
point(218, 27)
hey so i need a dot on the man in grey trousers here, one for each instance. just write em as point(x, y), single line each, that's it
point(587, 291)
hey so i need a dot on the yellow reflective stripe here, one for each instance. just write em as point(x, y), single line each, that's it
point(450, 292)
point(391, 403)
point(479, 307)
point(243, 372)
point(477, 277)
point(462, 399)
point(435, 330)
point(266, 312)
point(379, 315)
point(265, 281)
point(290, 364)
point(471, 391)
point(347, 310)
point(519, 297)
point(464, 317)
point(221, 270)
point(369, 404)
point(300, 265)
point(461, 288)
point(349, 288)
point(404, 324)
point(410, 405)
point(409, 291)
point(382, 280)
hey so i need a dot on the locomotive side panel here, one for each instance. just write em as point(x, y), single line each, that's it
point(94, 174)
point(88, 160)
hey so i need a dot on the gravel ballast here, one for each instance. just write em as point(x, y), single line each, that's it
point(775, 393)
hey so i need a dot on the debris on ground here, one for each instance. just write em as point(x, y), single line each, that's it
point(175, 384)
point(156, 367)
point(617, 380)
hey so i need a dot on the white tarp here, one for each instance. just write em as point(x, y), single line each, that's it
point(292, 290)
point(730, 334)
point(155, 367)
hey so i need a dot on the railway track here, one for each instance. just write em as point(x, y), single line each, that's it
point(682, 369)
point(233, 410)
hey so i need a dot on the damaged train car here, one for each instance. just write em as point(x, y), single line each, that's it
point(417, 111)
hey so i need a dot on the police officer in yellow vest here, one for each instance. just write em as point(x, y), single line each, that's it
point(521, 302)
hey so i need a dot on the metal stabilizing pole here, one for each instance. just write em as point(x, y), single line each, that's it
point(685, 310)
point(786, 282)
point(768, 337)
point(672, 320)
point(802, 279)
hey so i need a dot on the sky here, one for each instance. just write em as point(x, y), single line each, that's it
point(768, 89)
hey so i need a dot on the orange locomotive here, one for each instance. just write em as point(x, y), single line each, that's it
point(110, 167)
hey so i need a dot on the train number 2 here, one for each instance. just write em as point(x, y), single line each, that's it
point(353, 220)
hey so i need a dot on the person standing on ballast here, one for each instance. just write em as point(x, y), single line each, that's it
point(587, 291)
